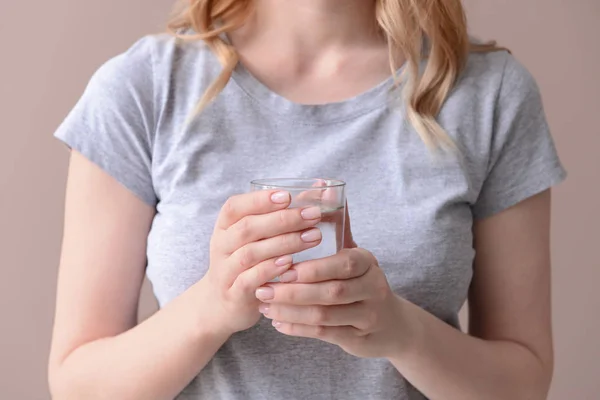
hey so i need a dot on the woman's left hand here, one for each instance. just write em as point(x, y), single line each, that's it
point(344, 299)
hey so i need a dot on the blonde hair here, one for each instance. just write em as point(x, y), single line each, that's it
point(406, 25)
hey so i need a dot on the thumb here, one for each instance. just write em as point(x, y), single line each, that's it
point(349, 242)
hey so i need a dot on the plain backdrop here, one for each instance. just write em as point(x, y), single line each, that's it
point(49, 49)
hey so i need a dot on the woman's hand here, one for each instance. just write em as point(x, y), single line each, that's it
point(252, 243)
point(344, 299)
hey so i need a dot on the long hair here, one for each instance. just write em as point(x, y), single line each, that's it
point(406, 25)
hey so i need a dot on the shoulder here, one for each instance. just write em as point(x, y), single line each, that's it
point(497, 74)
point(152, 56)
point(153, 72)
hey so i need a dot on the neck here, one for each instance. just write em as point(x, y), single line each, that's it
point(313, 26)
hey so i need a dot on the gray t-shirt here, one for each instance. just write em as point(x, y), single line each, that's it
point(413, 211)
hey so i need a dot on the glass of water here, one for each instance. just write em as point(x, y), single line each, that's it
point(329, 195)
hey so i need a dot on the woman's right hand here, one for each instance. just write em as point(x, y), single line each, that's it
point(252, 243)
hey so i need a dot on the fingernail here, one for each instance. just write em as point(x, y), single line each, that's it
point(263, 308)
point(289, 276)
point(276, 324)
point(265, 293)
point(283, 261)
point(311, 213)
point(280, 197)
point(311, 236)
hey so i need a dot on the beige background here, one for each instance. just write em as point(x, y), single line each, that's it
point(49, 49)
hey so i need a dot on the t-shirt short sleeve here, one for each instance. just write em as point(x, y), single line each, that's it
point(112, 124)
point(523, 160)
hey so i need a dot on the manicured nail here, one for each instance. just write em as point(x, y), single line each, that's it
point(289, 276)
point(265, 293)
point(276, 324)
point(311, 236)
point(280, 197)
point(283, 261)
point(311, 213)
point(263, 308)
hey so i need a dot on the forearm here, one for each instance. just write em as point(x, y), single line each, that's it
point(154, 360)
point(444, 363)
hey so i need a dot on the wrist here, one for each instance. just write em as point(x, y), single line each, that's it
point(207, 319)
point(409, 332)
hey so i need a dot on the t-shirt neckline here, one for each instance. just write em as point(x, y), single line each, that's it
point(316, 114)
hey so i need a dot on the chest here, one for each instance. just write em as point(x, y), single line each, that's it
point(410, 210)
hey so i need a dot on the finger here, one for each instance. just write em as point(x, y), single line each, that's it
point(256, 227)
point(327, 197)
point(311, 196)
point(321, 293)
point(356, 314)
point(253, 203)
point(347, 264)
point(308, 197)
point(256, 252)
point(248, 281)
point(330, 334)
point(332, 199)
point(333, 206)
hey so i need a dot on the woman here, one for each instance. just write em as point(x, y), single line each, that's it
point(448, 162)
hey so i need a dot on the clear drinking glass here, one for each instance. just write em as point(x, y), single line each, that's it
point(329, 195)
